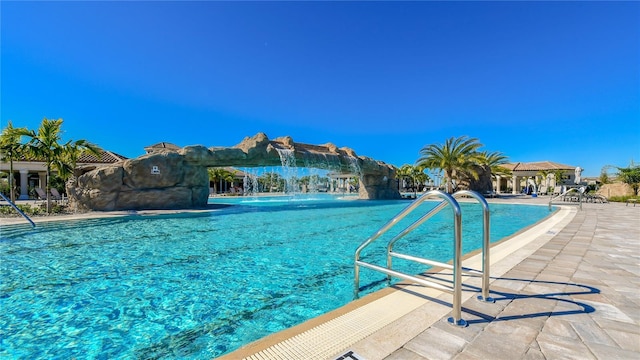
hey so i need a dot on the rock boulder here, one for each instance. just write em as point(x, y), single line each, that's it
point(179, 179)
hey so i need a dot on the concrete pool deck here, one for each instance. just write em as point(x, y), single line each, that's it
point(567, 288)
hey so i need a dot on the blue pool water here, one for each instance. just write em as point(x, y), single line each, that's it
point(197, 286)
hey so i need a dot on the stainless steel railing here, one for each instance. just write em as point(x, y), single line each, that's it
point(564, 195)
point(456, 267)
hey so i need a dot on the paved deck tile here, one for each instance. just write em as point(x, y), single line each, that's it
point(576, 297)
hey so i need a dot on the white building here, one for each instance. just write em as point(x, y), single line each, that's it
point(526, 174)
point(29, 175)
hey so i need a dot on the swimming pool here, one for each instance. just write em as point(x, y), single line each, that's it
point(196, 286)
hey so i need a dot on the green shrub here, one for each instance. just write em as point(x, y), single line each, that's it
point(29, 210)
point(34, 210)
point(6, 210)
point(58, 209)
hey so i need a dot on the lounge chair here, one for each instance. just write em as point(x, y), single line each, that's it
point(41, 194)
point(55, 194)
point(490, 194)
point(597, 198)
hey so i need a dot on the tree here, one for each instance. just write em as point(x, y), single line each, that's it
point(419, 177)
point(415, 174)
point(544, 174)
point(71, 152)
point(631, 176)
point(11, 149)
point(44, 145)
point(404, 173)
point(605, 178)
point(272, 180)
point(354, 182)
point(313, 182)
point(457, 157)
point(557, 175)
point(217, 174)
point(493, 161)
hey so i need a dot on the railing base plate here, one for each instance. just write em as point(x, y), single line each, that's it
point(459, 322)
point(488, 299)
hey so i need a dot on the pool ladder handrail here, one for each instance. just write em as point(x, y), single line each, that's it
point(580, 191)
point(456, 289)
point(18, 210)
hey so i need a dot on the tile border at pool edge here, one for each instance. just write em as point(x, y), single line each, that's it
point(388, 330)
point(18, 220)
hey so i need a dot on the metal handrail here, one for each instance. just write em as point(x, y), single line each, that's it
point(486, 242)
point(456, 290)
point(580, 191)
point(18, 210)
point(457, 259)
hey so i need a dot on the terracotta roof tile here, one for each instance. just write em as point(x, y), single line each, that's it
point(537, 166)
point(162, 146)
point(106, 157)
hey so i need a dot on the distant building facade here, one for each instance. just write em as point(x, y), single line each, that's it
point(524, 175)
point(29, 175)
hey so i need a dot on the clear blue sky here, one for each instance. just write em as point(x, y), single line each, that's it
point(557, 81)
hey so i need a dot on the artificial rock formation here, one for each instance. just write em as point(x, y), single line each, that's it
point(481, 184)
point(616, 189)
point(179, 179)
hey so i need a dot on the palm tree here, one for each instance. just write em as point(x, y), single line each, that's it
point(219, 174)
point(544, 174)
point(493, 161)
point(272, 180)
point(354, 182)
point(11, 149)
point(404, 172)
point(456, 157)
point(72, 151)
point(419, 177)
point(44, 145)
point(557, 175)
point(415, 174)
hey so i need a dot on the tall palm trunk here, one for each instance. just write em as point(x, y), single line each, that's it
point(449, 176)
point(48, 190)
point(12, 190)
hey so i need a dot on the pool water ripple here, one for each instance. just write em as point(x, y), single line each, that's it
point(197, 286)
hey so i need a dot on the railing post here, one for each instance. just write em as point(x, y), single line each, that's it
point(486, 258)
point(581, 191)
point(387, 226)
point(356, 278)
point(486, 242)
point(456, 318)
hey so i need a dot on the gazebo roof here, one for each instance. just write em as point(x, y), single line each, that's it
point(106, 157)
point(537, 166)
point(161, 146)
point(237, 173)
